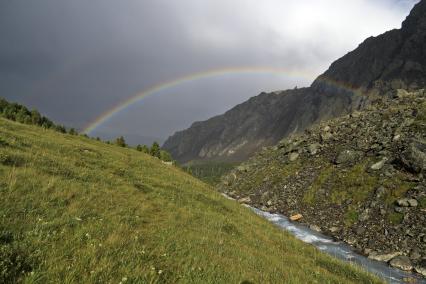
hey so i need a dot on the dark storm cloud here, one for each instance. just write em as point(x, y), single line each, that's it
point(75, 59)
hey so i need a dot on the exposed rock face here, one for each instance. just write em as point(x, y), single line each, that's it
point(380, 65)
point(261, 121)
point(359, 187)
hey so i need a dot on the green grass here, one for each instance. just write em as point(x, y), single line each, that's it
point(422, 202)
point(395, 218)
point(353, 184)
point(209, 172)
point(75, 210)
point(351, 216)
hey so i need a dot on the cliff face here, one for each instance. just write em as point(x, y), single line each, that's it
point(260, 121)
point(379, 65)
point(393, 60)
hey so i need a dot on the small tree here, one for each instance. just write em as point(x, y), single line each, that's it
point(72, 131)
point(165, 156)
point(120, 141)
point(35, 117)
point(155, 150)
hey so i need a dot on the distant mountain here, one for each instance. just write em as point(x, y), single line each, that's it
point(379, 66)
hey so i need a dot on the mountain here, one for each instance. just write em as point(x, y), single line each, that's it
point(379, 66)
point(77, 210)
point(359, 178)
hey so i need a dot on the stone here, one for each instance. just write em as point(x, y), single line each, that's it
point(379, 165)
point(407, 202)
point(327, 128)
point(403, 202)
point(399, 210)
point(334, 229)
point(365, 215)
point(315, 228)
point(313, 148)
point(414, 157)
point(347, 157)
point(412, 202)
point(293, 157)
point(380, 191)
point(383, 257)
point(360, 230)
point(296, 217)
point(421, 267)
point(326, 136)
point(401, 262)
point(415, 254)
point(245, 200)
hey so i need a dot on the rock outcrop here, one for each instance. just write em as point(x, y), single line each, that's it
point(379, 66)
point(355, 178)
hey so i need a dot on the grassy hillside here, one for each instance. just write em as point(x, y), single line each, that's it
point(78, 210)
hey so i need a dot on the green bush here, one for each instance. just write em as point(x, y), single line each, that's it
point(14, 264)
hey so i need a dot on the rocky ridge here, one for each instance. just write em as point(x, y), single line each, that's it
point(359, 178)
point(379, 66)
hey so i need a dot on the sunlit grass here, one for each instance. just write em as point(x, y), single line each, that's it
point(75, 210)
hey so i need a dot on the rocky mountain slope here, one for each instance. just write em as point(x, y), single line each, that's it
point(359, 178)
point(380, 65)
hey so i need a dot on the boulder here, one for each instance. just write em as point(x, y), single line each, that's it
point(407, 202)
point(245, 200)
point(296, 217)
point(401, 262)
point(347, 157)
point(379, 165)
point(413, 202)
point(315, 228)
point(334, 229)
point(414, 157)
point(421, 267)
point(313, 148)
point(383, 257)
point(415, 254)
point(293, 157)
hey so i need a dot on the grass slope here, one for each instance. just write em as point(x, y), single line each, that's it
point(78, 210)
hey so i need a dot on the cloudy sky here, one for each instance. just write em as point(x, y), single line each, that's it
point(74, 60)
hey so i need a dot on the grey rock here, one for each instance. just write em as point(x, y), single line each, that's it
point(401, 262)
point(315, 228)
point(365, 215)
point(415, 254)
point(407, 202)
point(412, 202)
point(334, 229)
point(403, 202)
point(384, 257)
point(293, 157)
point(380, 191)
point(414, 157)
point(313, 148)
point(379, 165)
point(347, 157)
point(421, 267)
point(245, 200)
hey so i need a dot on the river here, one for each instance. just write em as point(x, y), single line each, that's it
point(340, 250)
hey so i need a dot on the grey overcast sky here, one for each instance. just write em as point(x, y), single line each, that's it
point(74, 60)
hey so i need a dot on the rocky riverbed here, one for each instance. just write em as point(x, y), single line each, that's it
point(358, 178)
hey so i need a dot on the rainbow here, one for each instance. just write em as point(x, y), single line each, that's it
point(105, 116)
